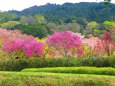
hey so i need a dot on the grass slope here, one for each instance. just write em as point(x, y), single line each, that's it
point(75, 70)
point(54, 79)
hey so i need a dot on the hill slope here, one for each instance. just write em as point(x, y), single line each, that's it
point(69, 11)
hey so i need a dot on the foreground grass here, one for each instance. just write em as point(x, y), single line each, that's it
point(75, 70)
point(54, 79)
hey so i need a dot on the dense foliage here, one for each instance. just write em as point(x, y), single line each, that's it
point(70, 12)
point(40, 30)
point(6, 16)
point(41, 21)
point(19, 64)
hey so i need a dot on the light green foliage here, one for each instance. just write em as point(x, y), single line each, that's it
point(33, 20)
point(75, 27)
point(23, 20)
point(108, 24)
point(40, 19)
point(5, 17)
point(74, 19)
point(91, 26)
point(9, 24)
point(98, 32)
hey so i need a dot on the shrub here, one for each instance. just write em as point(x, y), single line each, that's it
point(19, 64)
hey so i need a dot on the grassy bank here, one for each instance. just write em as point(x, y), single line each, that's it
point(54, 79)
point(75, 70)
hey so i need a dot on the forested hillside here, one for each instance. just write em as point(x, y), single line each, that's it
point(41, 21)
point(70, 12)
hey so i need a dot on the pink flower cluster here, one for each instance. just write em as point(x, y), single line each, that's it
point(34, 48)
point(65, 39)
point(30, 47)
point(65, 43)
point(13, 45)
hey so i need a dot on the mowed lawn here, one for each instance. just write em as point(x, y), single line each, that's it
point(27, 77)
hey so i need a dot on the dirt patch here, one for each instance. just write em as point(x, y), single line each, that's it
point(2, 75)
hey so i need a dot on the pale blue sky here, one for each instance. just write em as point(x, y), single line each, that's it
point(22, 4)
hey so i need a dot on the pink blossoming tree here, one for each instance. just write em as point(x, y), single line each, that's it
point(20, 46)
point(34, 48)
point(64, 42)
point(8, 35)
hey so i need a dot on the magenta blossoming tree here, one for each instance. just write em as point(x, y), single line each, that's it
point(14, 47)
point(34, 48)
point(64, 42)
point(6, 35)
point(11, 35)
point(19, 46)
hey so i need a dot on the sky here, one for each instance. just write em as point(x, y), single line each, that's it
point(19, 5)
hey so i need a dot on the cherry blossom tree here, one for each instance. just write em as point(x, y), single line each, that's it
point(8, 35)
point(64, 42)
point(19, 46)
point(34, 48)
point(99, 46)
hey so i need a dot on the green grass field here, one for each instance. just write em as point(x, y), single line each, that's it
point(54, 79)
point(41, 77)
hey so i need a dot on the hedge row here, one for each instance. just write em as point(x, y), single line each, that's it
point(19, 64)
